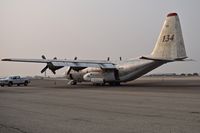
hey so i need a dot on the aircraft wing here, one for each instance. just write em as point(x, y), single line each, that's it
point(70, 63)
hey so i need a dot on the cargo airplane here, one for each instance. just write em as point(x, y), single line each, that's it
point(169, 48)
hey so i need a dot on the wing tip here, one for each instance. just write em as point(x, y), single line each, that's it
point(5, 59)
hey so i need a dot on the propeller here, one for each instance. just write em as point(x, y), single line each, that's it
point(48, 66)
point(70, 68)
point(44, 69)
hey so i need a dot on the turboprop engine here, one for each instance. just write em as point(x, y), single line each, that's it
point(76, 76)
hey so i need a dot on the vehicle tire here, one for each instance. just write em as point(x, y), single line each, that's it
point(18, 84)
point(10, 84)
point(25, 83)
point(2, 85)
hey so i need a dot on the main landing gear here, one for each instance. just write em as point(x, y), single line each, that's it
point(72, 82)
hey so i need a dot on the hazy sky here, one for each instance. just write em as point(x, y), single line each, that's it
point(92, 29)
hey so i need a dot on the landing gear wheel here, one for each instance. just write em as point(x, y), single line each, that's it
point(98, 84)
point(114, 83)
point(72, 82)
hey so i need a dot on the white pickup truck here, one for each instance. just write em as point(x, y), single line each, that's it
point(14, 80)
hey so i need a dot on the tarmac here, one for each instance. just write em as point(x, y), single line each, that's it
point(146, 105)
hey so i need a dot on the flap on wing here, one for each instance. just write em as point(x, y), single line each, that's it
point(79, 64)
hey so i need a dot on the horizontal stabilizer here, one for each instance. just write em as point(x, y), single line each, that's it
point(161, 59)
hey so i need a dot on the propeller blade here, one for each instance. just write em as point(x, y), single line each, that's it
point(44, 69)
point(43, 57)
point(53, 71)
point(70, 68)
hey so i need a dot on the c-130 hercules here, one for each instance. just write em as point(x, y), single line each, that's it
point(169, 48)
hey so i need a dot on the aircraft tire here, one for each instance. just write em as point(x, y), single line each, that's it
point(74, 83)
point(114, 83)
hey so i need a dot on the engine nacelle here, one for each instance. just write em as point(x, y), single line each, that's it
point(75, 76)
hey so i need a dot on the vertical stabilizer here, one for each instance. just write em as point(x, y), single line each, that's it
point(170, 43)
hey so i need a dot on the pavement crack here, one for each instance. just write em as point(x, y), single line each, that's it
point(10, 127)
